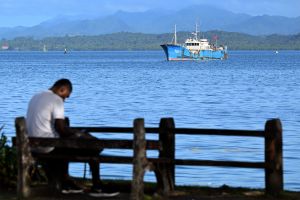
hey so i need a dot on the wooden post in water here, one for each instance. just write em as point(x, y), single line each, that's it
point(24, 158)
point(165, 172)
point(140, 162)
point(273, 157)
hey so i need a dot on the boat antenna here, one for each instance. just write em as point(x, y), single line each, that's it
point(196, 31)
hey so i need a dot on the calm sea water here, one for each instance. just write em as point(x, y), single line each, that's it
point(113, 88)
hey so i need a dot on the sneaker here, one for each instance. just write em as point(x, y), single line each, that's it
point(103, 194)
point(95, 189)
point(70, 187)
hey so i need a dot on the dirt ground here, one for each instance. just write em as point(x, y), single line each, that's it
point(180, 193)
point(9, 195)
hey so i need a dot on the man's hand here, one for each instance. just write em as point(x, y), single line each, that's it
point(82, 134)
point(64, 131)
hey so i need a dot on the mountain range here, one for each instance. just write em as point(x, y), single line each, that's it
point(159, 21)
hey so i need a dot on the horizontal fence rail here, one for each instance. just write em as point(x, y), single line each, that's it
point(220, 163)
point(226, 132)
point(90, 143)
point(186, 131)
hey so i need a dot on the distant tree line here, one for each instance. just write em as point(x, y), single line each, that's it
point(141, 41)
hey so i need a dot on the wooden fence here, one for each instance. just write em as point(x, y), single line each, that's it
point(164, 165)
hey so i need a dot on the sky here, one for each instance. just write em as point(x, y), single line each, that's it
point(32, 12)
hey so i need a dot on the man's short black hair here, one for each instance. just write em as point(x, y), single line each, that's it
point(63, 82)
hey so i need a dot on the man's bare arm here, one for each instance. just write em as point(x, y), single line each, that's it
point(62, 129)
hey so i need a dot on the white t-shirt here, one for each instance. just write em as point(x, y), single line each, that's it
point(42, 111)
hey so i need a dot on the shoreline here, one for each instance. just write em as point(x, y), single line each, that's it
point(144, 50)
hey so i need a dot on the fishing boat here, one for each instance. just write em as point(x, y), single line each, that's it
point(194, 49)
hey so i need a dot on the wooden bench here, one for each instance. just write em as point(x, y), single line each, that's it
point(160, 165)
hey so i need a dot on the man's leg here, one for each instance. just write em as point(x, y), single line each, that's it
point(94, 167)
point(59, 170)
point(55, 172)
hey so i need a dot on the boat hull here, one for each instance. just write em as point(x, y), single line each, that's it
point(178, 52)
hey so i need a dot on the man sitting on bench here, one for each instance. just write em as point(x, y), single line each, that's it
point(45, 118)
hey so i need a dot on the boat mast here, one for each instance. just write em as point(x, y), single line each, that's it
point(175, 36)
point(195, 33)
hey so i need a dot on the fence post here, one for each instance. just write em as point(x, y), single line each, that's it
point(165, 172)
point(67, 122)
point(140, 162)
point(24, 159)
point(273, 157)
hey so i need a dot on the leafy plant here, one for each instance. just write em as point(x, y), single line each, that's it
point(8, 162)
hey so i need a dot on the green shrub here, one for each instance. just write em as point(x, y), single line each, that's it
point(8, 163)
